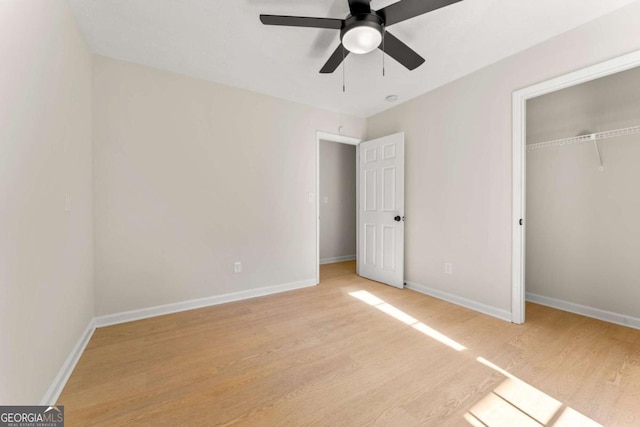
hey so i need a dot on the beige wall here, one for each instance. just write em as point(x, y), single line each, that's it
point(46, 254)
point(337, 200)
point(583, 233)
point(458, 160)
point(190, 176)
point(611, 102)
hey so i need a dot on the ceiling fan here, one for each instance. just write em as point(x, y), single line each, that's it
point(364, 30)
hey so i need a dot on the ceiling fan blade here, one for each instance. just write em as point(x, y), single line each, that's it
point(302, 21)
point(407, 9)
point(359, 6)
point(401, 52)
point(335, 59)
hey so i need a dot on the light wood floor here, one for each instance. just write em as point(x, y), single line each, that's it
point(322, 356)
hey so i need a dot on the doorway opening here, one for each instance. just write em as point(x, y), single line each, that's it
point(336, 199)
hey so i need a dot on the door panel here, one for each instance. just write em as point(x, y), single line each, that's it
point(381, 237)
point(370, 190)
point(389, 189)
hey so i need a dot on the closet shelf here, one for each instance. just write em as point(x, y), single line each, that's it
point(585, 138)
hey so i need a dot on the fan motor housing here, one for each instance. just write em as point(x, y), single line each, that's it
point(362, 20)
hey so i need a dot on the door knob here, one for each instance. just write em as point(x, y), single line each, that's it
point(397, 218)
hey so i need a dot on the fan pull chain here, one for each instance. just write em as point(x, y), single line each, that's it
point(384, 30)
point(343, 64)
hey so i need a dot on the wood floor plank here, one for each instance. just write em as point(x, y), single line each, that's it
point(320, 356)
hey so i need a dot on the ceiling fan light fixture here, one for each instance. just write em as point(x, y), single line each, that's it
point(362, 39)
point(364, 30)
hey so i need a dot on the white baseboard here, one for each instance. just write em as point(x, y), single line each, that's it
point(458, 300)
point(596, 313)
point(337, 259)
point(160, 310)
point(52, 394)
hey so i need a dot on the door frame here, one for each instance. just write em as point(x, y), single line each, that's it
point(342, 139)
point(520, 97)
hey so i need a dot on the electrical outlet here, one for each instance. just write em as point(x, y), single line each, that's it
point(237, 267)
point(325, 199)
point(312, 197)
point(448, 268)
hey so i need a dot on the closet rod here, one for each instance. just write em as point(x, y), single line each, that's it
point(585, 138)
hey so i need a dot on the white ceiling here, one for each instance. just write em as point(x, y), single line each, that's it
point(224, 41)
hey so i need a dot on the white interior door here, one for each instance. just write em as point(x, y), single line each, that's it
point(381, 210)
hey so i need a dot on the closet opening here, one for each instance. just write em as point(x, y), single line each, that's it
point(576, 238)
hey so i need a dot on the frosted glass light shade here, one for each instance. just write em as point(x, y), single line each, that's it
point(361, 39)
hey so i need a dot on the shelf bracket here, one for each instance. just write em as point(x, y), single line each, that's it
point(595, 144)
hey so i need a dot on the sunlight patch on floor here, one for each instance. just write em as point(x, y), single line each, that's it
point(494, 411)
point(512, 403)
point(571, 417)
point(515, 403)
point(400, 315)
